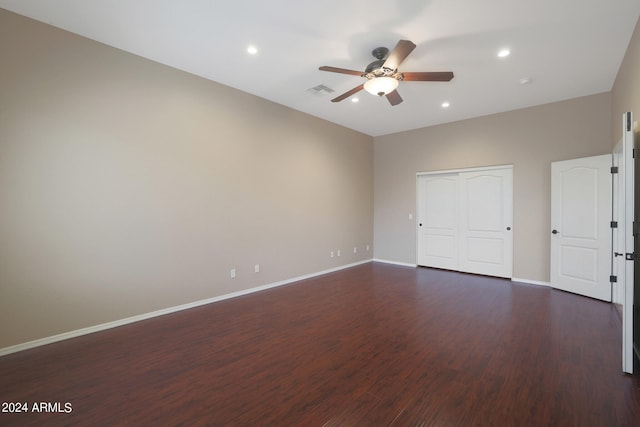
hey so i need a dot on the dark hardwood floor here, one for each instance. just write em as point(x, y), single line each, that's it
point(373, 345)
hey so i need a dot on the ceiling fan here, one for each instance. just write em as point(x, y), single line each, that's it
point(383, 76)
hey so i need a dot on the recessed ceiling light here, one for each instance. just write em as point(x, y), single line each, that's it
point(525, 80)
point(504, 53)
point(252, 50)
point(445, 104)
point(354, 100)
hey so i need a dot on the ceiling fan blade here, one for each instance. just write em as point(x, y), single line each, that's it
point(348, 93)
point(399, 54)
point(394, 98)
point(341, 70)
point(438, 76)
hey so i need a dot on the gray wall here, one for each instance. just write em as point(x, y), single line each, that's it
point(127, 186)
point(530, 139)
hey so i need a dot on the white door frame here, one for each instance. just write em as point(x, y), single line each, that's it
point(478, 169)
point(629, 241)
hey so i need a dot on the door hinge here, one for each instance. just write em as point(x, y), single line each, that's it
point(628, 121)
point(634, 231)
point(630, 256)
point(614, 224)
point(614, 169)
point(613, 279)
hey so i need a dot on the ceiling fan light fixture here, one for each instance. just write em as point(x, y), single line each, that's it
point(381, 86)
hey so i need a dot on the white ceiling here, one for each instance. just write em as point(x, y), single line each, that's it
point(568, 48)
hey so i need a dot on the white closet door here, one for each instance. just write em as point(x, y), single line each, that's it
point(438, 221)
point(485, 236)
point(465, 220)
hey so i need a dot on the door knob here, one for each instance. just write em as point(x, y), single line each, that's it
point(508, 228)
point(554, 232)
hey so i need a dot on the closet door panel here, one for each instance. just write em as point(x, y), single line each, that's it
point(485, 222)
point(438, 221)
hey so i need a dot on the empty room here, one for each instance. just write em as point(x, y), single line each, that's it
point(398, 213)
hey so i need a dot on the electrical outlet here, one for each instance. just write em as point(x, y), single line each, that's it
point(367, 248)
point(355, 250)
point(256, 268)
point(331, 254)
point(233, 273)
point(338, 252)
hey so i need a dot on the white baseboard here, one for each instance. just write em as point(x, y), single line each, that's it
point(531, 282)
point(403, 264)
point(104, 326)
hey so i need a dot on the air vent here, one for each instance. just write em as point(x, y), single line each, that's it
point(320, 90)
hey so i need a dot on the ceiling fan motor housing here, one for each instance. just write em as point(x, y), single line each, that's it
point(380, 53)
point(375, 68)
point(375, 65)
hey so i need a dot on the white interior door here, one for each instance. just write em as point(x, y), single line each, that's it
point(623, 238)
point(465, 220)
point(486, 206)
point(438, 221)
point(617, 232)
point(580, 221)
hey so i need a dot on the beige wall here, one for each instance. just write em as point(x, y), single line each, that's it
point(626, 89)
point(530, 139)
point(128, 187)
point(626, 97)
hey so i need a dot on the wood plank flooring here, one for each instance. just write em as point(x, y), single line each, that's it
point(373, 345)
